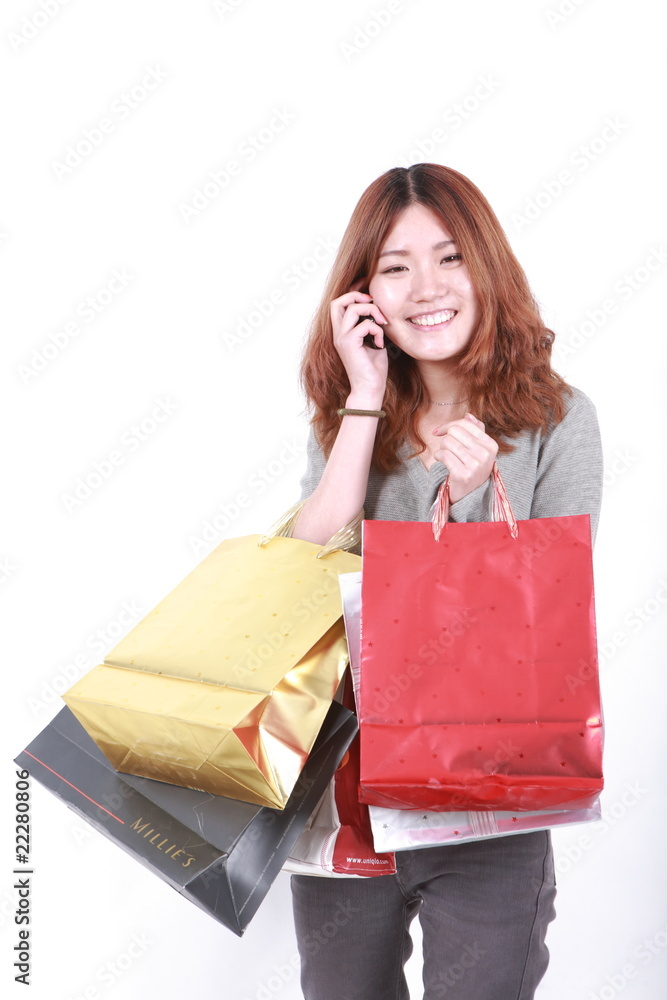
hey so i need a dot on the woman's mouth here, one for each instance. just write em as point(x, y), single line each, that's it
point(434, 320)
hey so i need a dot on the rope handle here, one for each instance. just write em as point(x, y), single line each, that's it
point(345, 538)
point(502, 508)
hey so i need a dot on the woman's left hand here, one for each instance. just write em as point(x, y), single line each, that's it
point(468, 452)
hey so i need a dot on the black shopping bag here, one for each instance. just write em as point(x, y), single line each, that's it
point(220, 853)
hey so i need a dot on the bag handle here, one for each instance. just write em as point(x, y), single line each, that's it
point(502, 508)
point(345, 538)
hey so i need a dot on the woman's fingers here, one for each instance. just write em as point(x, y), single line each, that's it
point(468, 452)
point(473, 455)
point(468, 425)
point(471, 437)
point(460, 473)
point(466, 445)
point(347, 310)
point(339, 305)
point(473, 419)
point(354, 316)
point(468, 432)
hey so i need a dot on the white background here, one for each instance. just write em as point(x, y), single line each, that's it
point(520, 93)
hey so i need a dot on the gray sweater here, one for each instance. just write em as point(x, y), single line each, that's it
point(547, 475)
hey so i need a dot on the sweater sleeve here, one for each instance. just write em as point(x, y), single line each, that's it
point(315, 466)
point(570, 466)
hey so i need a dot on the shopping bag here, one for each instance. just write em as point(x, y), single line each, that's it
point(219, 853)
point(337, 840)
point(479, 684)
point(408, 829)
point(223, 687)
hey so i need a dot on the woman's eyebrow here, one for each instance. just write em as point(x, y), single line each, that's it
point(406, 253)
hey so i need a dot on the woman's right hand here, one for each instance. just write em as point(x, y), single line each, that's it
point(366, 367)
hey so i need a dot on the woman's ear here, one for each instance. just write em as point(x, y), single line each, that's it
point(360, 285)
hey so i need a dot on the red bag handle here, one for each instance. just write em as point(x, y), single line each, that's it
point(502, 508)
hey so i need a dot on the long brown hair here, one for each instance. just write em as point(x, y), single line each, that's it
point(506, 366)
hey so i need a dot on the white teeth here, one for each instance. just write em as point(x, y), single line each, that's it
point(434, 318)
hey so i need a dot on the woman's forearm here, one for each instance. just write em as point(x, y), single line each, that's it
point(340, 494)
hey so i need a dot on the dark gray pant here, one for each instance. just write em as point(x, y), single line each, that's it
point(484, 908)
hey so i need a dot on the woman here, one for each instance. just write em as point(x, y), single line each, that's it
point(428, 326)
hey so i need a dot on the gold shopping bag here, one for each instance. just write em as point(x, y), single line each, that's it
point(223, 687)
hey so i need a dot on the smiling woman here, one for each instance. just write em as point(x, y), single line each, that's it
point(423, 288)
point(426, 273)
point(428, 358)
point(496, 346)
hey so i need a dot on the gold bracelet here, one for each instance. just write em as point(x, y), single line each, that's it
point(362, 413)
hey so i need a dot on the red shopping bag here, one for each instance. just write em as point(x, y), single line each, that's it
point(479, 683)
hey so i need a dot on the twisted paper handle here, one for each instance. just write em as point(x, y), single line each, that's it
point(502, 508)
point(345, 538)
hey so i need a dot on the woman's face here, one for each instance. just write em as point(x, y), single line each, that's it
point(423, 288)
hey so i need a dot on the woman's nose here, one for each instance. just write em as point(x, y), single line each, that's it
point(428, 282)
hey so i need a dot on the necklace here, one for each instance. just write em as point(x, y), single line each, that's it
point(454, 402)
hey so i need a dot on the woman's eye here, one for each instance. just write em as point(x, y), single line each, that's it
point(449, 259)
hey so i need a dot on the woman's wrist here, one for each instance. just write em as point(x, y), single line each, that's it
point(364, 401)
